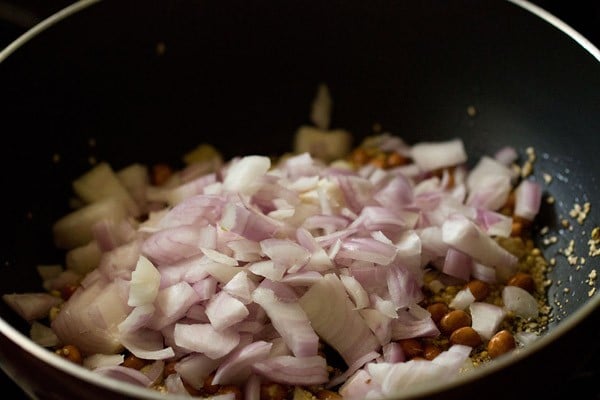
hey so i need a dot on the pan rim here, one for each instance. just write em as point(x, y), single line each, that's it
point(566, 325)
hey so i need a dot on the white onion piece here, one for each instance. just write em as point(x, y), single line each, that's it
point(137, 318)
point(320, 114)
point(357, 293)
point(119, 262)
point(145, 282)
point(409, 249)
point(290, 255)
point(393, 353)
point(203, 338)
point(43, 335)
point(494, 223)
point(506, 155)
point(194, 187)
point(396, 194)
point(367, 249)
point(336, 321)
point(224, 310)
point(124, 374)
point(101, 182)
point(403, 286)
point(252, 388)
point(103, 360)
point(528, 199)
point(407, 326)
point(235, 369)
point(110, 234)
point(96, 311)
point(31, 306)
point(268, 269)
point(241, 287)
point(293, 370)
point(490, 193)
point(147, 344)
point(352, 369)
point(290, 320)
point(172, 303)
point(242, 174)
point(396, 377)
point(379, 323)
point(457, 264)
point(173, 244)
point(324, 144)
point(359, 386)
point(75, 228)
point(357, 192)
point(430, 156)
point(465, 236)
point(174, 384)
point(195, 368)
point(205, 288)
point(83, 259)
point(248, 223)
point(462, 299)
point(245, 250)
point(520, 302)
point(135, 178)
point(484, 273)
point(486, 318)
point(485, 168)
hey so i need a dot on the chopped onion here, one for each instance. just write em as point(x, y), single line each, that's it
point(520, 301)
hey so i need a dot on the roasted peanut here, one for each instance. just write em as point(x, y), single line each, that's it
point(71, 353)
point(431, 351)
point(411, 347)
point(466, 336)
point(161, 174)
point(273, 391)
point(522, 280)
point(169, 368)
point(453, 320)
point(437, 311)
point(502, 342)
point(479, 289)
point(395, 159)
point(67, 291)
point(134, 362)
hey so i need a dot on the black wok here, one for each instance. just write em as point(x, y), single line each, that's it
point(241, 76)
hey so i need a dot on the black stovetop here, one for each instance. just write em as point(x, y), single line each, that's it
point(584, 16)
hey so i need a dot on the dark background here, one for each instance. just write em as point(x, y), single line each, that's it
point(16, 16)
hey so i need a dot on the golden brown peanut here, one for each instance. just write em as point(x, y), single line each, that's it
point(161, 174)
point(479, 289)
point(522, 280)
point(67, 291)
point(169, 368)
point(437, 311)
point(395, 159)
point(466, 336)
point(453, 320)
point(134, 362)
point(431, 351)
point(502, 342)
point(71, 353)
point(411, 347)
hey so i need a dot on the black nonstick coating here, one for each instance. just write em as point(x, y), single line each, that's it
point(147, 81)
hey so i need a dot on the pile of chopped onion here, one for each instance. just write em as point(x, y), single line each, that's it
point(241, 269)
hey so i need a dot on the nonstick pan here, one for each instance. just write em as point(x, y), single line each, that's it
point(145, 81)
